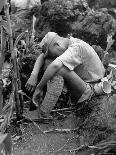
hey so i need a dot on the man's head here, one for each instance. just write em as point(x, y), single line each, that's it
point(53, 45)
point(62, 27)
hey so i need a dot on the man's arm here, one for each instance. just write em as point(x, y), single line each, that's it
point(70, 58)
point(32, 81)
point(38, 64)
point(52, 69)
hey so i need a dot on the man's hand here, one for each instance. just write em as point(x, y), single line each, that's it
point(31, 83)
point(36, 96)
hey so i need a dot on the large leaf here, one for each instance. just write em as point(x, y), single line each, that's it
point(2, 2)
point(2, 138)
point(5, 25)
point(5, 144)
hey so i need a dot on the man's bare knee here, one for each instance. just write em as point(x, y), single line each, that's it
point(63, 71)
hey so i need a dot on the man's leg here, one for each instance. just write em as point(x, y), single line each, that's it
point(74, 83)
point(54, 90)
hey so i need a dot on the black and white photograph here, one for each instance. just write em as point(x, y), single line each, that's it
point(57, 77)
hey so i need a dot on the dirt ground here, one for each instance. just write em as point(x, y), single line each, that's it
point(34, 142)
point(66, 135)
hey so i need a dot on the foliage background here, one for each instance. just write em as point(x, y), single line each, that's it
point(92, 23)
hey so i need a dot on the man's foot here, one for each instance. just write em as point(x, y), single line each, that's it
point(43, 115)
point(37, 115)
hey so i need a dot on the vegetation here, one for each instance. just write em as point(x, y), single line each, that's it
point(94, 121)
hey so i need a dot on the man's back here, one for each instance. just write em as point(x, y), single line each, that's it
point(81, 57)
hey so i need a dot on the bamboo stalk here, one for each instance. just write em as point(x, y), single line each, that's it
point(27, 41)
point(6, 121)
point(15, 82)
point(65, 109)
point(15, 64)
point(18, 63)
point(9, 25)
point(110, 42)
point(19, 85)
point(33, 30)
point(1, 65)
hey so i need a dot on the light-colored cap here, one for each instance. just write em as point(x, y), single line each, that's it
point(47, 40)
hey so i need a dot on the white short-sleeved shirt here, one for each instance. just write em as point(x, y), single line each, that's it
point(83, 59)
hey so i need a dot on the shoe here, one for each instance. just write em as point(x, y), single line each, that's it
point(32, 115)
point(37, 115)
point(43, 115)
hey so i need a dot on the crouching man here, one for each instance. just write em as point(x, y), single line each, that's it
point(75, 61)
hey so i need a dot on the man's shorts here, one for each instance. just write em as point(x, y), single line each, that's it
point(88, 93)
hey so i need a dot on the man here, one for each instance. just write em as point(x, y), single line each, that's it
point(55, 86)
point(63, 29)
point(44, 59)
point(74, 60)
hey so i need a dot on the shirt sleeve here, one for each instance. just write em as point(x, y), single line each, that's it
point(71, 58)
point(43, 45)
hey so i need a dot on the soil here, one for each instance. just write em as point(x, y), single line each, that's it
point(58, 137)
point(34, 142)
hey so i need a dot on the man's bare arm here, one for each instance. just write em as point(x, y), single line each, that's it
point(32, 81)
point(52, 69)
point(38, 64)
